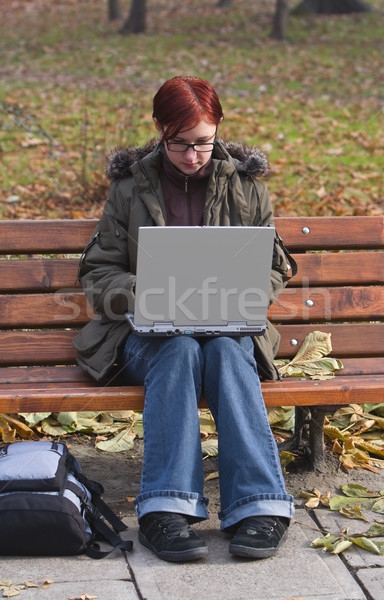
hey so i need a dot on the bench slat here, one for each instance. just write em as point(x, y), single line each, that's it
point(342, 268)
point(55, 346)
point(332, 233)
point(71, 309)
point(329, 304)
point(289, 392)
point(73, 376)
point(48, 236)
point(44, 310)
point(364, 339)
point(35, 375)
point(38, 274)
point(72, 235)
point(36, 347)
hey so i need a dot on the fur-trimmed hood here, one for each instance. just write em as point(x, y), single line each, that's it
point(250, 160)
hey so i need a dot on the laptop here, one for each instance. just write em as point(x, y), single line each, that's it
point(202, 281)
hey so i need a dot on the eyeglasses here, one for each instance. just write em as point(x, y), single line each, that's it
point(199, 147)
point(179, 147)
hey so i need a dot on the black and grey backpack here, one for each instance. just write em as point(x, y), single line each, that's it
point(49, 508)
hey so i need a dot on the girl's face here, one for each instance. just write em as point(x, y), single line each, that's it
point(190, 159)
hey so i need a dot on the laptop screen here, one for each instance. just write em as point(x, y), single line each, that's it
point(203, 276)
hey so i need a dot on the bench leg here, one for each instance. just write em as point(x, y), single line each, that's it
point(308, 420)
point(302, 417)
point(295, 441)
point(316, 438)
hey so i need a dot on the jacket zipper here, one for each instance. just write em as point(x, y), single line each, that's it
point(92, 241)
point(219, 169)
point(188, 198)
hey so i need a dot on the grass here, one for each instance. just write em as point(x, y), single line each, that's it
point(73, 88)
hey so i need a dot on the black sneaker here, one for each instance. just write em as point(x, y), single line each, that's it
point(170, 537)
point(259, 537)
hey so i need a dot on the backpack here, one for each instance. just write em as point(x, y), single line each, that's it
point(49, 508)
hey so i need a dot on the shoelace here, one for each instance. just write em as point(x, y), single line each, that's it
point(174, 524)
point(265, 524)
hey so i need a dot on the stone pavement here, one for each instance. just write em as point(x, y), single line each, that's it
point(297, 572)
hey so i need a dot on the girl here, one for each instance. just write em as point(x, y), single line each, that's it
point(189, 177)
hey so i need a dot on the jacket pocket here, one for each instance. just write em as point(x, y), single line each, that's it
point(92, 336)
point(98, 345)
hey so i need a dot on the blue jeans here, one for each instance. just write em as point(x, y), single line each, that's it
point(175, 371)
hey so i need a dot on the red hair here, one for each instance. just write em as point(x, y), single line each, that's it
point(182, 102)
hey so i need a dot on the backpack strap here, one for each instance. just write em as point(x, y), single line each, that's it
point(94, 518)
point(93, 550)
point(97, 490)
point(108, 514)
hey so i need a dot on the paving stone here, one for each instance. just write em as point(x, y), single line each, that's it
point(72, 576)
point(297, 571)
point(373, 581)
point(64, 568)
point(101, 589)
point(334, 522)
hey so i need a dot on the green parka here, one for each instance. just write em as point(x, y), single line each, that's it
point(235, 196)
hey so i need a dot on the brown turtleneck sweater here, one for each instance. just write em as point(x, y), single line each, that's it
point(184, 195)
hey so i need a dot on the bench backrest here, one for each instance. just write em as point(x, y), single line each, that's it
point(339, 287)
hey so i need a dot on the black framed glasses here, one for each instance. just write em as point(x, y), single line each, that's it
point(181, 147)
point(198, 147)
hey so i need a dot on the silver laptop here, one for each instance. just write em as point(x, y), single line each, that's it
point(202, 280)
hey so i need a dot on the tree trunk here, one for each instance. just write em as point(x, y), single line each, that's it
point(114, 10)
point(224, 3)
point(332, 7)
point(136, 19)
point(280, 19)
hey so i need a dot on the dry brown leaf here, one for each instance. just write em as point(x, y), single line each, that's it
point(214, 475)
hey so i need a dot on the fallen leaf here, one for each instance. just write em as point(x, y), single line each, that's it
point(367, 544)
point(353, 513)
point(340, 545)
point(312, 502)
point(338, 502)
point(354, 490)
point(311, 359)
point(121, 442)
point(11, 590)
point(315, 498)
point(210, 476)
point(207, 423)
point(209, 447)
point(286, 458)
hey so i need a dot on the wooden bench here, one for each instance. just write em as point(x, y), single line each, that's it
point(339, 289)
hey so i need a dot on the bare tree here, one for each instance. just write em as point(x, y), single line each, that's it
point(114, 10)
point(332, 7)
point(280, 19)
point(136, 21)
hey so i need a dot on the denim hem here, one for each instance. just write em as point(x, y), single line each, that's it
point(186, 503)
point(277, 505)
